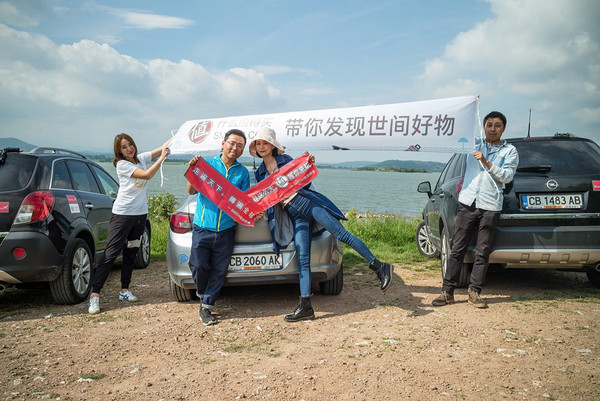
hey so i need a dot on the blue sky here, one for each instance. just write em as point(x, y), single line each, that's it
point(74, 74)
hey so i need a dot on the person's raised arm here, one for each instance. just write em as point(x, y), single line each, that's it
point(149, 173)
point(156, 152)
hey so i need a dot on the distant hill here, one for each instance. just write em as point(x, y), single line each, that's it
point(434, 167)
point(350, 164)
point(431, 166)
point(15, 143)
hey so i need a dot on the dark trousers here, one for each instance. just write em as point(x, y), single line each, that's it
point(469, 221)
point(124, 235)
point(209, 260)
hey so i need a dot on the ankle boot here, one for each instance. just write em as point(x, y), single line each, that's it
point(383, 271)
point(304, 311)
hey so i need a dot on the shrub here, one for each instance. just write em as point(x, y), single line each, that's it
point(162, 205)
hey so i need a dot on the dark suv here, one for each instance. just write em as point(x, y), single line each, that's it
point(55, 206)
point(550, 216)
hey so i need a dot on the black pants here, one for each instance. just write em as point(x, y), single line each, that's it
point(469, 221)
point(124, 235)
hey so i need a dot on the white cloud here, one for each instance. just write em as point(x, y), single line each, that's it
point(9, 14)
point(544, 52)
point(145, 20)
point(108, 92)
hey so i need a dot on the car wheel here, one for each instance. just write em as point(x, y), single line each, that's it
point(424, 245)
point(180, 294)
point(74, 281)
point(594, 277)
point(333, 286)
point(465, 272)
point(142, 259)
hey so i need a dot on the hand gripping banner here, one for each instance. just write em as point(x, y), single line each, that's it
point(442, 125)
point(244, 206)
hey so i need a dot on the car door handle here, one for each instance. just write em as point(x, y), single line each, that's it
point(89, 206)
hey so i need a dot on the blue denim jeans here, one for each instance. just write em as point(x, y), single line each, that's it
point(209, 260)
point(303, 212)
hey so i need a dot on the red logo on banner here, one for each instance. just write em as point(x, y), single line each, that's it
point(200, 131)
point(244, 206)
point(596, 185)
point(3, 207)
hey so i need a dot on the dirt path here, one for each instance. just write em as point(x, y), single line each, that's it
point(539, 340)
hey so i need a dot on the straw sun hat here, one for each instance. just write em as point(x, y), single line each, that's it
point(266, 134)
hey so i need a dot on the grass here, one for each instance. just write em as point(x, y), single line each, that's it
point(390, 238)
point(160, 234)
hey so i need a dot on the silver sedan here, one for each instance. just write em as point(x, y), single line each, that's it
point(253, 261)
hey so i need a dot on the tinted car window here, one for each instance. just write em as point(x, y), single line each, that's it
point(458, 167)
point(83, 179)
point(16, 172)
point(454, 168)
point(108, 184)
point(60, 176)
point(562, 157)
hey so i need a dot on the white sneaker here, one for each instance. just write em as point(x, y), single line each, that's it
point(94, 306)
point(127, 296)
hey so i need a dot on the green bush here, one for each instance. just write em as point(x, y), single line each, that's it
point(162, 205)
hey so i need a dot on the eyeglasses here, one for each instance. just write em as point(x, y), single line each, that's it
point(235, 145)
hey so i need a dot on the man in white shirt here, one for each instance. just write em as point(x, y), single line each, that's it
point(492, 164)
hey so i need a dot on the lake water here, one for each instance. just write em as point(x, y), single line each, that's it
point(376, 192)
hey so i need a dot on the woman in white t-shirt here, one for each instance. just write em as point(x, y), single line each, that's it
point(129, 213)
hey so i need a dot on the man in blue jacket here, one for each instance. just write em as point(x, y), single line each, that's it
point(214, 230)
point(492, 164)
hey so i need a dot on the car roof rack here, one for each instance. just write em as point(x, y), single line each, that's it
point(55, 151)
point(563, 135)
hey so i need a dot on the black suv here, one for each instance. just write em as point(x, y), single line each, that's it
point(550, 216)
point(55, 207)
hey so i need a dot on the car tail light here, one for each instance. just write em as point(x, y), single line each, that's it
point(19, 253)
point(181, 222)
point(35, 207)
point(459, 185)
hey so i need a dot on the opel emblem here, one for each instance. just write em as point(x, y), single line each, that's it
point(552, 185)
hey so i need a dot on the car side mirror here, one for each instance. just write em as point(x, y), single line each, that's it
point(425, 188)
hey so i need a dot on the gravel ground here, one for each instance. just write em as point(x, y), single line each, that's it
point(537, 341)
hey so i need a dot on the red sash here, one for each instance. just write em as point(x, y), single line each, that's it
point(244, 206)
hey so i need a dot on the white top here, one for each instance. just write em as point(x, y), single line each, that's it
point(131, 198)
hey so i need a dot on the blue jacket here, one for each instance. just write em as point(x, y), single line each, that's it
point(261, 173)
point(208, 215)
point(483, 186)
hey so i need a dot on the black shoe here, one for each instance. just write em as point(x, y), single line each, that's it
point(384, 273)
point(304, 311)
point(207, 317)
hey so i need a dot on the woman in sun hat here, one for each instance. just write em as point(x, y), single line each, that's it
point(305, 207)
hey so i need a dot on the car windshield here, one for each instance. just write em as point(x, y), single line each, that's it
point(558, 157)
point(15, 171)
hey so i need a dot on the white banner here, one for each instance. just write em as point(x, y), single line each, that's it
point(443, 125)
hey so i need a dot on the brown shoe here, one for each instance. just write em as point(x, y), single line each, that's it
point(446, 298)
point(475, 299)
